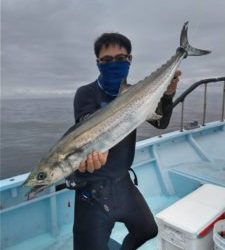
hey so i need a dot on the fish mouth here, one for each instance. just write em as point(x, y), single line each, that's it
point(35, 190)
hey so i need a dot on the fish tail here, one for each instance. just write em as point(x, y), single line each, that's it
point(186, 47)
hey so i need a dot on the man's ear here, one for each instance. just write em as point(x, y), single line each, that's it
point(130, 58)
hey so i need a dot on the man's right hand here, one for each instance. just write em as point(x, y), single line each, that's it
point(93, 161)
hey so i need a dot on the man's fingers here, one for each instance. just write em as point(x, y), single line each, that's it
point(96, 162)
point(177, 73)
point(90, 164)
point(82, 167)
point(175, 79)
point(171, 89)
point(103, 157)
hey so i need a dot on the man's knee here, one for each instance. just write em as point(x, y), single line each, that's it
point(148, 233)
point(135, 240)
point(151, 232)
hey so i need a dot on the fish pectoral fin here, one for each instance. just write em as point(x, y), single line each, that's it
point(61, 157)
point(154, 117)
point(73, 152)
point(124, 86)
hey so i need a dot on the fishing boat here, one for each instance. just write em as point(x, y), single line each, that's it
point(169, 167)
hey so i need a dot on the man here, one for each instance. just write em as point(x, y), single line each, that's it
point(105, 192)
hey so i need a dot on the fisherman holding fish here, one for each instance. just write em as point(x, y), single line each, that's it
point(105, 193)
point(95, 155)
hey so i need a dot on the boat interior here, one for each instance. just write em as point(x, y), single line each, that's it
point(168, 167)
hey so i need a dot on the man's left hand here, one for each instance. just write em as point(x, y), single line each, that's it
point(173, 84)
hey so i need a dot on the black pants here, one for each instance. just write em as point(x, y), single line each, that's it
point(99, 205)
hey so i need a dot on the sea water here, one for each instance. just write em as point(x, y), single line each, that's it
point(29, 127)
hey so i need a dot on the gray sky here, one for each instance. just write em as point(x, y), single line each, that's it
point(47, 45)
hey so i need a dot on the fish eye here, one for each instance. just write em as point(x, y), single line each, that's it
point(41, 176)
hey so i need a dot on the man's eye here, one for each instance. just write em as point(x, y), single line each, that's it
point(120, 58)
point(106, 59)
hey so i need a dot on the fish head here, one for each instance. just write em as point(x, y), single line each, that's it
point(50, 170)
point(37, 181)
point(44, 175)
point(38, 177)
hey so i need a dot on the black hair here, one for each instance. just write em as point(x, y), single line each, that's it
point(107, 39)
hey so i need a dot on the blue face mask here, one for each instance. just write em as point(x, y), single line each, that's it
point(111, 76)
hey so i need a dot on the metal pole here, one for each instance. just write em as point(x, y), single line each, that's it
point(204, 108)
point(182, 117)
point(223, 103)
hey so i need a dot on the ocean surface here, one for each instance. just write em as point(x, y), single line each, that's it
point(29, 127)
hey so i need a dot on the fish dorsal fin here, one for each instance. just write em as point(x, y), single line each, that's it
point(124, 86)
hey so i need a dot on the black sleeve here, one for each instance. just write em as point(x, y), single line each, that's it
point(165, 108)
point(84, 102)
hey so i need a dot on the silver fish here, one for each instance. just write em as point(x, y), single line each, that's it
point(108, 126)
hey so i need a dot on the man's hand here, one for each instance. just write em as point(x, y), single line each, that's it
point(93, 161)
point(173, 85)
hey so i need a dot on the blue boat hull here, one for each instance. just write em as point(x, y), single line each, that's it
point(168, 168)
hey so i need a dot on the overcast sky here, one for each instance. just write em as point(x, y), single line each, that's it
point(47, 45)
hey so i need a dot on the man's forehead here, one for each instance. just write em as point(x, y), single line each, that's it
point(112, 48)
point(113, 45)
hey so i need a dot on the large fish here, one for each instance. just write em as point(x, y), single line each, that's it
point(108, 126)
